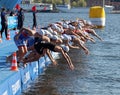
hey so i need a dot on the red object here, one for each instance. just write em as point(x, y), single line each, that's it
point(14, 63)
point(8, 35)
point(17, 7)
point(34, 8)
point(45, 8)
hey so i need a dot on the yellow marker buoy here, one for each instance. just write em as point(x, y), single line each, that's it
point(97, 16)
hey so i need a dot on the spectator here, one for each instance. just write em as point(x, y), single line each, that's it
point(34, 17)
point(20, 18)
point(4, 22)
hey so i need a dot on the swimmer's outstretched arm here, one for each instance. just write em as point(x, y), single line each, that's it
point(50, 57)
point(67, 58)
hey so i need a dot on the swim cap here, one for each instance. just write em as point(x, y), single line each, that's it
point(79, 26)
point(46, 32)
point(89, 22)
point(60, 30)
point(65, 26)
point(54, 37)
point(34, 8)
point(49, 35)
point(65, 48)
point(41, 32)
point(54, 26)
point(66, 37)
point(50, 30)
point(71, 27)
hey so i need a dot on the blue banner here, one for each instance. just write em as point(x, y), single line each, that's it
point(33, 70)
point(4, 89)
point(47, 60)
point(41, 65)
point(12, 22)
point(26, 78)
point(15, 84)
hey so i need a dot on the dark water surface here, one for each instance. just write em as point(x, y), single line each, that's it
point(95, 74)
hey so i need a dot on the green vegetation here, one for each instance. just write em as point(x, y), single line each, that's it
point(74, 3)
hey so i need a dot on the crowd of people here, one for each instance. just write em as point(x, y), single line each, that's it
point(60, 36)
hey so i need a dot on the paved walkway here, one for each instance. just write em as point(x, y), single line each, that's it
point(6, 48)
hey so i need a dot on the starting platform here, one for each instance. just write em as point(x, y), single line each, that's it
point(14, 82)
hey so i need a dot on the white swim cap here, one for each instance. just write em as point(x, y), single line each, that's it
point(54, 26)
point(71, 27)
point(89, 22)
point(55, 33)
point(79, 26)
point(60, 30)
point(66, 37)
point(65, 26)
point(67, 22)
point(45, 31)
point(50, 30)
point(49, 35)
point(41, 32)
point(54, 37)
point(65, 48)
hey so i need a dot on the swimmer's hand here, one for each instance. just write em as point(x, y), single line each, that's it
point(54, 62)
point(87, 52)
point(72, 67)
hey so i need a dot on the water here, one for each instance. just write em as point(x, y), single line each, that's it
point(95, 74)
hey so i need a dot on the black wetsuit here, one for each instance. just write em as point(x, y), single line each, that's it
point(34, 20)
point(40, 46)
point(20, 18)
point(4, 23)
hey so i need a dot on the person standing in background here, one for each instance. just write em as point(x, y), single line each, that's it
point(4, 22)
point(34, 17)
point(21, 17)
